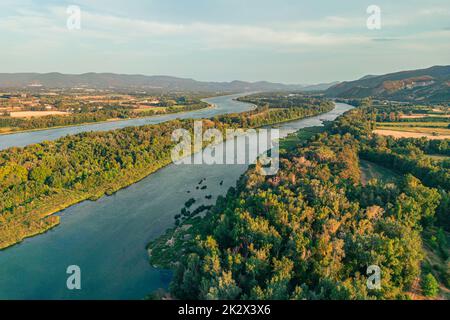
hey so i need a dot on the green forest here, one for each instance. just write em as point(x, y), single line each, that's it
point(20, 124)
point(41, 179)
point(313, 230)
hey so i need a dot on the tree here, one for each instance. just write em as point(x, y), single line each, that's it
point(430, 286)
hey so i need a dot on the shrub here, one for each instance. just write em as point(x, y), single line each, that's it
point(430, 286)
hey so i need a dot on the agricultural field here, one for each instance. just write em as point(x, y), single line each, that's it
point(23, 110)
point(424, 124)
point(32, 114)
point(396, 133)
point(423, 115)
point(431, 123)
point(427, 127)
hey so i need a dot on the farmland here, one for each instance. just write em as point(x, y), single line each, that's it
point(430, 123)
point(417, 133)
point(31, 114)
point(24, 110)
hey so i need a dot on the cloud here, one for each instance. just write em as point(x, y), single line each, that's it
point(205, 35)
point(434, 11)
point(384, 39)
point(223, 35)
point(331, 23)
point(49, 26)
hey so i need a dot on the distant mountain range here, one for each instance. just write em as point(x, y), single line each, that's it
point(123, 81)
point(319, 87)
point(427, 85)
point(424, 85)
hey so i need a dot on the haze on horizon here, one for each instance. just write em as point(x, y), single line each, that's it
point(222, 40)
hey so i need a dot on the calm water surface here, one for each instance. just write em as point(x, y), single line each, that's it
point(222, 105)
point(107, 238)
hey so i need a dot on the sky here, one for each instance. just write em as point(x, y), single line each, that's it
point(289, 41)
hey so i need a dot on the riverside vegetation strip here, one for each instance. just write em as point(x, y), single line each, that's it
point(14, 125)
point(311, 231)
point(42, 179)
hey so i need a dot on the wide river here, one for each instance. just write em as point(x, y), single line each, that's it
point(221, 105)
point(107, 238)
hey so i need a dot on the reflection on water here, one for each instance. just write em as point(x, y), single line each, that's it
point(222, 105)
point(107, 238)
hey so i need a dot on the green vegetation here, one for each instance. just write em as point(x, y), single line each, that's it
point(418, 129)
point(430, 286)
point(370, 171)
point(410, 118)
point(292, 140)
point(39, 180)
point(413, 124)
point(438, 157)
point(19, 124)
point(282, 100)
point(312, 230)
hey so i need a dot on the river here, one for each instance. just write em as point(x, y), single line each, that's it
point(107, 238)
point(220, 105)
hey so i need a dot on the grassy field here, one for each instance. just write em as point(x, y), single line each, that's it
point(437, 262)
point(414, 132)
point(407, 134)
point(418, 127)
point(370, 170)
point(427, 129)
point(429, 124)
point(292, 140)
point(31, 114)
point(424, 115)
point(6, 130)
point(438, 157)
point(156, 109)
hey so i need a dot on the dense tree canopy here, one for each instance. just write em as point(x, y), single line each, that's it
point(18, 124)
point(312, 231)
point(41, 179)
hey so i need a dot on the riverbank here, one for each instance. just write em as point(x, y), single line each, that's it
point(265, 239)
point(37, 216)
point(164, 251)
point(107, 237)
point(219, 105)
point(208, 106)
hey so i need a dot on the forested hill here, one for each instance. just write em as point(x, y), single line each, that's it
point(313, 230)
point(426, 85)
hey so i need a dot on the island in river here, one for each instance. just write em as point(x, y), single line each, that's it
point(42, 179)
point(107, 238)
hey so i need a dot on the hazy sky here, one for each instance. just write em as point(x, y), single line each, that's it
point(290, 41)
